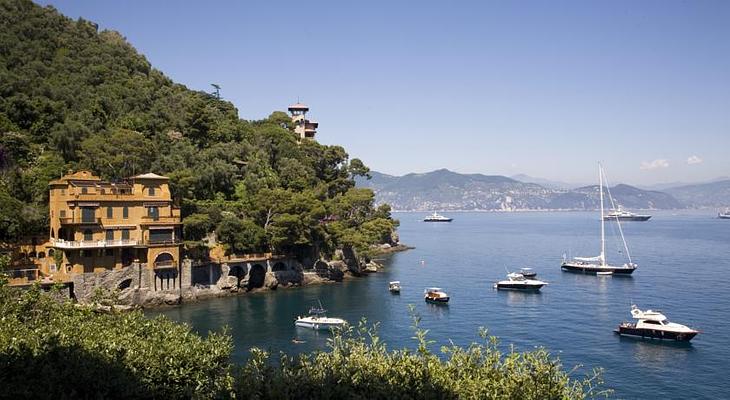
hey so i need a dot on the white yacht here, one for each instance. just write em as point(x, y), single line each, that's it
point(623, 215)
point(436, 217)
point(724, 214)
point(517, 281)
point(654, 325)
point(594, 265)
point(318, 320)
point(394, 287)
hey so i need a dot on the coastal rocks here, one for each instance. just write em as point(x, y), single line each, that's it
point(270, 281)
point(85, 286)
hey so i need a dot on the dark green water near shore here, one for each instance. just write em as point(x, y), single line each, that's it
point(684, 269)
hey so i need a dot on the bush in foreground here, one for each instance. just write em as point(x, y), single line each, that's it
point(57, 350)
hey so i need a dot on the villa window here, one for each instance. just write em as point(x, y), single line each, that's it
point(88, 214)
point(88, 235)
point(151, 191)
point(154, 213)
point(110, 212)
point(84, 190)
point(125, 212)
point(125, 234)
point(109, 235)
point(62, 214)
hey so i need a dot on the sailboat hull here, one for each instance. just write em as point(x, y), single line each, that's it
point(594, 269)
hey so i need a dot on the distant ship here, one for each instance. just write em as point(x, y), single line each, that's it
point(598, 264)
point(436, 217)
point(624, 215)
point(725, 214)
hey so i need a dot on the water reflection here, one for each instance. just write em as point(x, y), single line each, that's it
point(659, 355)
point(517, 297)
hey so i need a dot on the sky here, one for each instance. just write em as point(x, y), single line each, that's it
point(543, 88)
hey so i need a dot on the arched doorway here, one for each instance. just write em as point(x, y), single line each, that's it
point(256, 276)
point(165, 272)
point(239, 272)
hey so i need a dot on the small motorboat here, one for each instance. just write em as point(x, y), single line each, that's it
point(435, 295)
point(436, 217)
point(724, 214)
point(318, 320)
point(654, 325)
point(528, 273)
point(517, 281)
point(394, 287)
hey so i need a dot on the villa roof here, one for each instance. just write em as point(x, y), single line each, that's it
point(150, 175)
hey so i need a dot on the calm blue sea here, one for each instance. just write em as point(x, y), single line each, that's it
point(684, 270)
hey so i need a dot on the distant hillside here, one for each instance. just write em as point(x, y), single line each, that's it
point(545, 182)
point(447, 190)
point(712, 194)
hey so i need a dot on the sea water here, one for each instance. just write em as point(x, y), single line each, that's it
point(683, 259)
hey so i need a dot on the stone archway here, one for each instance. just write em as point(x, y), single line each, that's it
point(239, 272)
point(256, 276)
point(165, 272)
point(279, 266)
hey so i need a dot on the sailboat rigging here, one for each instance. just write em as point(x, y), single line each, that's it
point(599, 264)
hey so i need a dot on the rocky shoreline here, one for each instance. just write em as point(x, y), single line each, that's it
point(129, 288)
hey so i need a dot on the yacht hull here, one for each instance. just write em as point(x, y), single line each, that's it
point(440, 300)
point(631, 218)
point(438, 220)
point(514, 286)
point(318, 326)
point(630, 330)
point(595, 269)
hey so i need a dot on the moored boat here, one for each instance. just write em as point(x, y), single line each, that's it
point(623, 215)
point(528, 273)
point(318, 320)
point(724, 214)
point(517, 281)
point(436, 217)
point(598, 264)
point(394, 287)
point(435, 295)
point(654, 325)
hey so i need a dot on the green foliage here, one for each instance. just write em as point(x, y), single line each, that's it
point(55, 348)
point(358, 365)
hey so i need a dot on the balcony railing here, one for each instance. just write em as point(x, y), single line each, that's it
point(79, 220)
point(160, 220)
point(93, 244)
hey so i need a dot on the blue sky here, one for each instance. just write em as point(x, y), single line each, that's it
point(545, 88)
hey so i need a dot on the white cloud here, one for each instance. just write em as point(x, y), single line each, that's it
point(694, 160)
point(658, 163)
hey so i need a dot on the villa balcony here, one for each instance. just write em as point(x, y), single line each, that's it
point(160, 220)
point(92, 244)
point(79, 221)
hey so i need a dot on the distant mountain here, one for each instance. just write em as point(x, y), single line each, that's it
point(670, 185)
point(546, 182)
point(711, 194)
point(447, 190)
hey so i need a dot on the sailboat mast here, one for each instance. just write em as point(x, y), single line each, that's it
point(603, 231)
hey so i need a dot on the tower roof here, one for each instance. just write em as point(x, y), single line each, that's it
point(298, 107)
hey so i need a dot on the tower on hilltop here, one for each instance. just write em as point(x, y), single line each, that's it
point(303, 127)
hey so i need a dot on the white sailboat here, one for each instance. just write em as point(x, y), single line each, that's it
point(598, 264)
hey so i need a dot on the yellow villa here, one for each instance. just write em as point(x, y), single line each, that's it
point(100, 226)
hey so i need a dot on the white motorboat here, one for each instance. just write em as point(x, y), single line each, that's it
point(394, 287)
point(654, 325)
point(435, 295)
point(724, 214)
point(436, 217)
point(318, 320)
point(517, 281)
point(594, 265)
